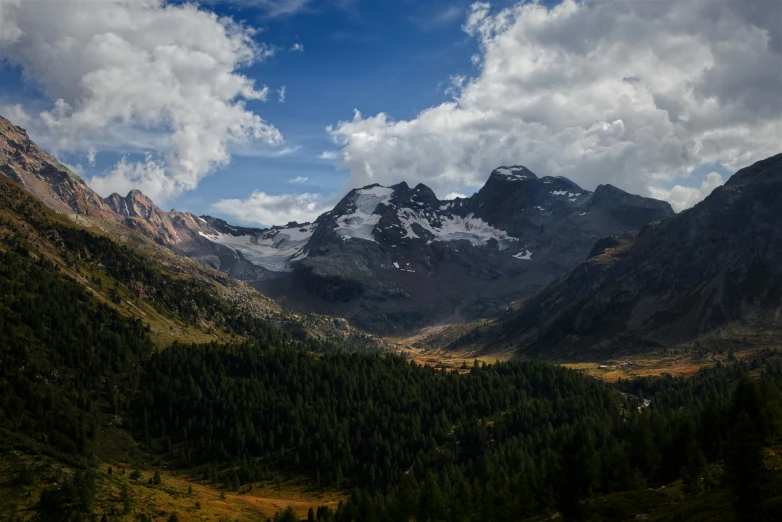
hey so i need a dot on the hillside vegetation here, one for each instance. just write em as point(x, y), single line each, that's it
point(252, 417)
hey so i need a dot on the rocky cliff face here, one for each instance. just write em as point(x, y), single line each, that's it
point(45, 177)
point(718, 262)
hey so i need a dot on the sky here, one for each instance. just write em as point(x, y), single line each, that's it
point(268, 111)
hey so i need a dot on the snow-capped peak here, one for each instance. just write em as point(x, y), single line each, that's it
point(515, 173)
point(360, 218)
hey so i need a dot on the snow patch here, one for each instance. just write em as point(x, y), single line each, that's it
point(518, 174)
point(524, 254)
point(273, 250)
point(360, 223)
point(454, 228)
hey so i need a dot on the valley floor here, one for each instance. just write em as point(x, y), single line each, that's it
point(442, 346)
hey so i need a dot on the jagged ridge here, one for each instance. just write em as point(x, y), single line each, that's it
point(718, 262)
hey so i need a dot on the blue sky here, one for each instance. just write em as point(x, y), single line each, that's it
point(370, 56)
point(373, 57)
point(594, 91)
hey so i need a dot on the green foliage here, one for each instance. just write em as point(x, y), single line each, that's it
point(364, 418)
point(63, 354)
point(286, 515)
point(500, 442)
point(419, 443)
point(68, 500)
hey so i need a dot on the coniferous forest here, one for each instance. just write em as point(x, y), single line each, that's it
point(495, 442)
point(500, 442)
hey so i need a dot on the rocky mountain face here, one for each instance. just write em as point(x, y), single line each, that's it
point(718, 262)
point(398, 257)
point(55, 185)
point(388, 258)
point(45, 177)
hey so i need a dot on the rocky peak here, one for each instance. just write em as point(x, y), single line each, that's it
point(419, 197)
point(715, 263)
point(762, 172)
point(135, 204)
point(629, 209)
point(513, 173)
point(45, 177)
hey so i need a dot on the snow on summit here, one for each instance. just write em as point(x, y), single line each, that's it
point(360, 223)
point(515, 173)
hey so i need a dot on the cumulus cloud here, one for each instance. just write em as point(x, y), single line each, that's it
point(15, 113)
point(266, 209)
point(329, 155)
point(297, 47)
point(682, 197)
point(281, 94)
point(123, 72)
point(454, 195)
point(636, 94)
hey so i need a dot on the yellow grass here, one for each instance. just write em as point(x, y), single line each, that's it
point(206, 502)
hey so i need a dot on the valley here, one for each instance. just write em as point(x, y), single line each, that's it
point(542, 371)
point(383, 261)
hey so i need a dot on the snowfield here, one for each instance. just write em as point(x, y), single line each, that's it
point(361, 222)
point(273, 250)
point(453, 228)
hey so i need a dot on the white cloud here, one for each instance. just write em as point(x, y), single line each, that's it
point(329, 155)
point(299, 179)
point(434, 18)
point(681, 197)
point(139, 72)
point(15, 113)
point(266, 152)
point(266, 209)
point(281, 94)
point(149, 176)
point(454, 195)
point(636, 94)
point(277, 8)
point(297, 47)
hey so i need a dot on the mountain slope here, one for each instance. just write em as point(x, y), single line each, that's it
point(389, 259)
point(718, 262)
point(396, 258)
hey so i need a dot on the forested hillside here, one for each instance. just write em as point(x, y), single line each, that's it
point(509, 441)
point(499, 442)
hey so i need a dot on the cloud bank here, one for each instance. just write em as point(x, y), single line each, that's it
point(681, 197)
point(636, 94)
point(139, 72)
point(266, 209)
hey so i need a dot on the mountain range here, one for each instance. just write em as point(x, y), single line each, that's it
point(712, 265)
point(389, 259)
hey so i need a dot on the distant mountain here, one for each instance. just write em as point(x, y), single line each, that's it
point(718, 262)
point(395, 258)
point(388, 258)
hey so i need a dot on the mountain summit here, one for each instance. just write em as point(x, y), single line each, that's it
point(395, 258)
point(713, 264)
